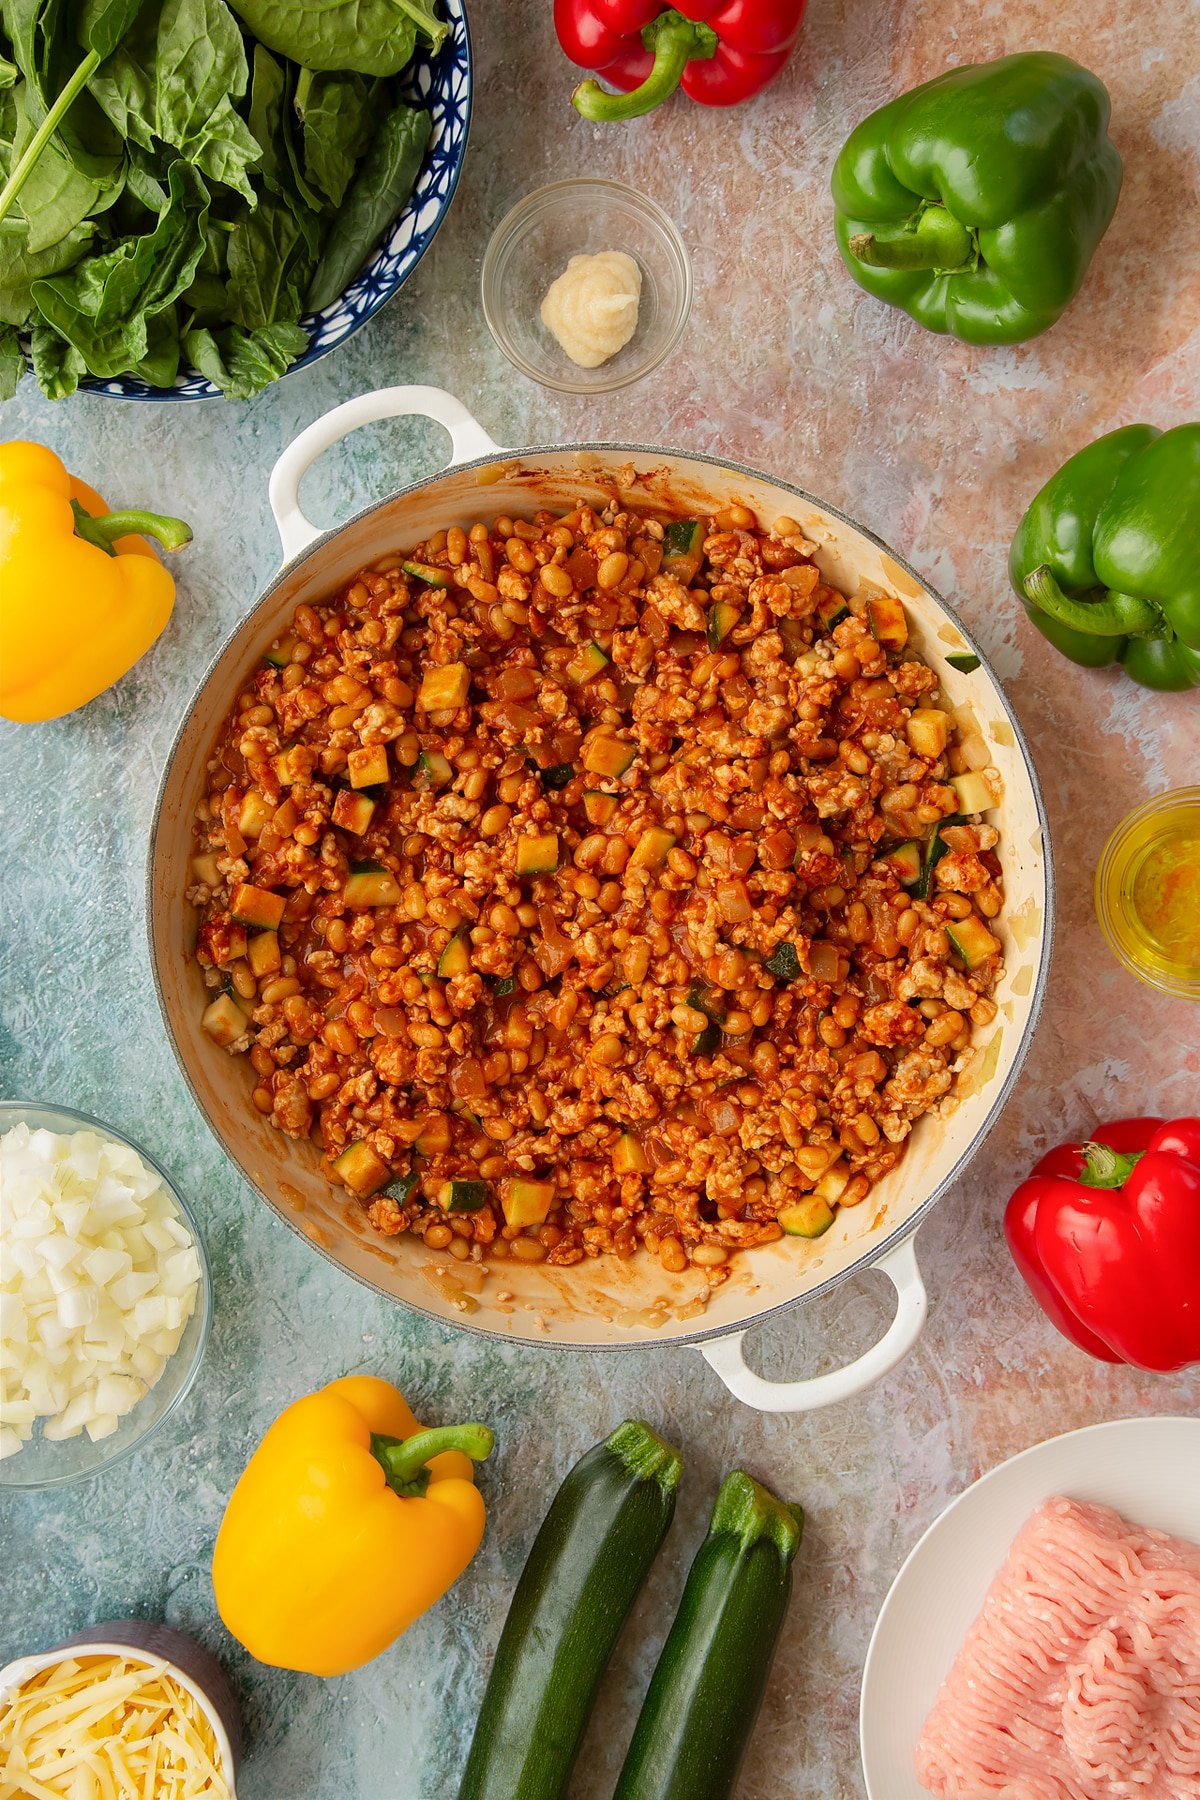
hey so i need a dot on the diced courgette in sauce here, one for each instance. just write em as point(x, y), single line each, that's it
point(599, 807)
point(832, 610)
point(444, 689)
point(432, 771)
point(434, 1137)
point(708, 1000)
point(971, 939)
point(252, 905)
point(652, 848)
point(288, 767)
point(966, 665)
point(505, 985)
point(832, 1184)
point(280, 654)
point(935, 849)
point(256, 812)
point(205, 869)
point(527, 1202)
point(369, 767)
point(557, 775)
point(455, 958)
point(537, 854)
point(807, 1218)
point(588, 663)
point(628, 1156)
point(427, 573)
point(361, 1170)
point(905, 862)
point(224, 1020)
point(708, 1041)
point(783, 962)
point(721, 620)
point(263, 954)
point(606, 754)
point(974, 794)
point(887, 622)
point(462, 1196)
point(370, 884)
point(928, 731)
point(351, 811)
point(683, 549)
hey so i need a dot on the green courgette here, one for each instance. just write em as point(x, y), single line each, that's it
point(584, 1572)
point(704, 1694)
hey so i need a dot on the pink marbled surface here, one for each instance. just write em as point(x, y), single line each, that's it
point(935, 446)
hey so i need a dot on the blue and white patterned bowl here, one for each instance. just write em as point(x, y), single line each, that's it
point(440, 82)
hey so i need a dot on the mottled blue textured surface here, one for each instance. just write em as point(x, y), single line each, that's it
point(786, 365)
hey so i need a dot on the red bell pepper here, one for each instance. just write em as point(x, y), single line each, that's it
point(1107, 1235)
point(719, 51)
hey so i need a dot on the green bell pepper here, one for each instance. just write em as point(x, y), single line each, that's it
point(1107, 559)
point(976, 201)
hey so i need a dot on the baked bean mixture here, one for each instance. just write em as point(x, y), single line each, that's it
point(600, 881)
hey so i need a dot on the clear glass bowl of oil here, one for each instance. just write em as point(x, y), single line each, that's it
point(1148, 892)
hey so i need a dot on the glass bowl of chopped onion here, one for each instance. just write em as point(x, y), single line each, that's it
point(105, 1296)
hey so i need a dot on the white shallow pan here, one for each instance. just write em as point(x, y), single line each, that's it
point(606, 1303)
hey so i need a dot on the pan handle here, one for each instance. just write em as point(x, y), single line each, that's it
point(467, 439)
point(724, 1355)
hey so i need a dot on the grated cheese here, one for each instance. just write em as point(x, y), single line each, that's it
point(107, 1728)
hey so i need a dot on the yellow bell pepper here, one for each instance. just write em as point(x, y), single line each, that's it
point(349, 1521)
point(81, 596)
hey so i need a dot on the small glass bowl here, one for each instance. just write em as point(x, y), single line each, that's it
point(533, 244)
point(42, 1464)
point(1158, 843)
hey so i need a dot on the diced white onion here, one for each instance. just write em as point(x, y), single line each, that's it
point(98, 1279)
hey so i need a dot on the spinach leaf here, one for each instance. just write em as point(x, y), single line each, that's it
point(267, 89)
point(103, 23)
point(57, 364)
point(55, 196)
point(20, 268)
point(207, 300)
point(376, 37)
point(102, 306)
point(242, 363)
point(49, 58)
point(424, 14)
point(337, 112)
point(384, 182)
point(142, 180)
point(160, 364)
point(12, 362)
point(272, 254)
point(177, 76)
point(8, 72)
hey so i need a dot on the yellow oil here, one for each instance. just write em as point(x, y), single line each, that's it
point(1148, 891)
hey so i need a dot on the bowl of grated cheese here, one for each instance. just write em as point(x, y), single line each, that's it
point(130, 1707)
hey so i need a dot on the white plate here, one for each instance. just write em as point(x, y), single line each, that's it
point(1147, 1469)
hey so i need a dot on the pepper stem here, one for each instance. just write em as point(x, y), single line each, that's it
point(1104, 1167)
point(931, 239)
point(172, 534)
point(676, 42)
point(24, 165)
point(1117, 615)
point(403, 1460)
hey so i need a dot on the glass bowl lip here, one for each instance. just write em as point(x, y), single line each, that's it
point(16, 1112)
point(541, 199)
point(1183, 988)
